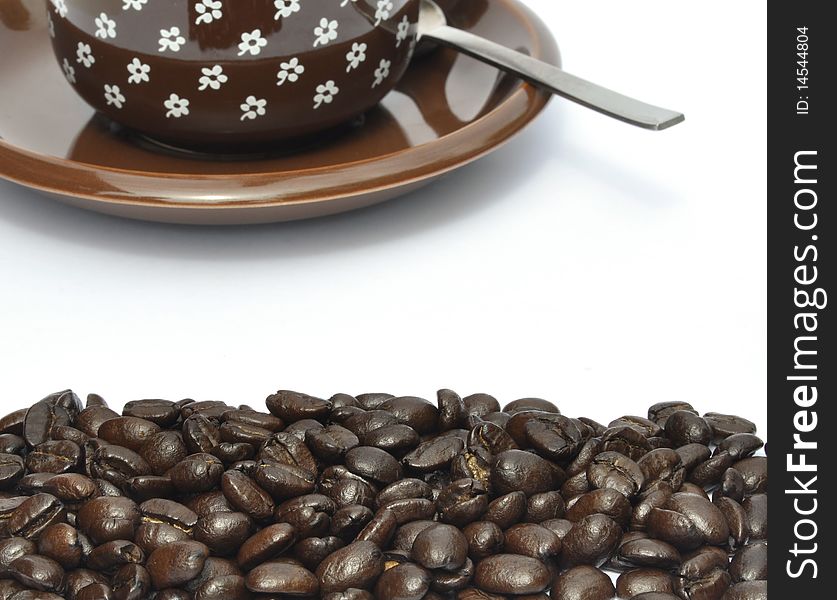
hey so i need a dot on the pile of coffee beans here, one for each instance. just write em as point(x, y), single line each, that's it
point(378, 497)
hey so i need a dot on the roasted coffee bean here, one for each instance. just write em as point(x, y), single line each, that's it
point(155, 502)
point(245, 494)
point(638, 581)
point(732, 485)
point(331, 443)
point(418, 413)
point(374, 464)
point(724, 426)
point(516, 470)
point(265, 545)
point(71, 487)
point(659, 413)
point(511, 574)
point(688, 521)
point(647, 552)
point(130, 432)
point(162, 412)
point(702, 576)
point(604, 501)
point(529, 539)
point(736, 518)
point(64, 544)
point(405, 582)
point(176, 564)
point(56, 409)
point(358, 565)
point(740, 445)
point(395, 438)
point(625, 440)
point(755, 507)
point(131, 582)
point(434, 455)
point(293, 406)
point(506, 510)
point(583, 583)
point(754, 472)
point(115, 554)
point(684, 427)
point(282, 578)
point(747, 590)
point(223, 533)
point(750, 563)
point(33, 515)
point(591, 541)
point(11, 470)
point(616, 471)
point(39, 573)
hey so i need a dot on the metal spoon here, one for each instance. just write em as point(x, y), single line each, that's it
point(433, 26)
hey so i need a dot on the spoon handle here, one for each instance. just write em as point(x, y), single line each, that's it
point(556, 80)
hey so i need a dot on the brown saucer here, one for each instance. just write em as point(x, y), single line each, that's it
point(448, 111)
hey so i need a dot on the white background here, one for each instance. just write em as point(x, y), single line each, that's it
point(588, 262)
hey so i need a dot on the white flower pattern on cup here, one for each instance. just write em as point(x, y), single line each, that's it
point(326, 32)
point(290, 71)
point(403, 31)
point(252, 42)
point(138, 71)
point(177, 106)
point(85, 55)
point(135, 4)
point(212, 78)
point(105, 27)
point(356, 55)
point(383, 11)
point(69, 71)
point(208, 11)
point(325, 94)
point(113, 96)
point(60, 7)
point(170, 39)
point(252, 108)
point(285, 8)
point(382, 72)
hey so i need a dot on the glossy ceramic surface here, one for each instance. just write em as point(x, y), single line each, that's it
point(234, 72)
point(446, 112)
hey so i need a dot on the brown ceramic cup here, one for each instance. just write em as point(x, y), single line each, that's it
point(232, 72)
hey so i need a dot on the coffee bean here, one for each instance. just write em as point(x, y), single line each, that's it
point(591, 541)
point(293, 406)
point(358, 565)
point(747, 590)
point(511, 574)
point(724, 426)
point(282, 578)
point(649, 553)
point(755, 507)
point(404, 582)
point(750, 563)
point(638, 581)
point(516, 470)
point(685, 427)
point(506, 510)
point(176, 564)
point(688, 521)
point(204, 501)
point(583, 583)
point(440, 547)
point(39, 573)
